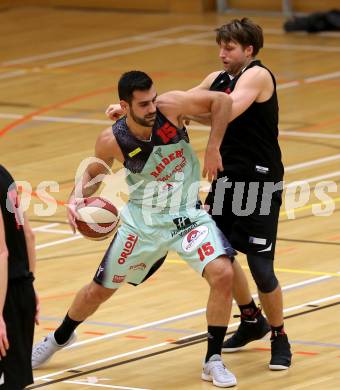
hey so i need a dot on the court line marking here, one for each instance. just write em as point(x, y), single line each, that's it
point(49, 229)
point(290, 287)
point(52, 243)
point(326, 275)
point(310, 206)
point(152, 43)
point(176, 318)
point(102, 385)
point(55, 119)
point(38, 228)
point(148, 348)
point(281, 132)
point(114, 53)
point(91, 46)
point(98, 45)
point(311, 163)
point(55, 231)
point(10, 75)
point(50, 107)
point(189, 39)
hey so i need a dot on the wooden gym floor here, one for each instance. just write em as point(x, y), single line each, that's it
point(58, 72)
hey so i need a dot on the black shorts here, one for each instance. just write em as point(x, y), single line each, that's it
point(19, 313)
point(252, 228)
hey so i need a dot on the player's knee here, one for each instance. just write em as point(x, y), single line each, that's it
point(262, 270)
point(219, 274)
point(97, 294)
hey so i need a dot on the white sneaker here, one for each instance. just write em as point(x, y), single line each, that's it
point(45, 349)
point(215, 371)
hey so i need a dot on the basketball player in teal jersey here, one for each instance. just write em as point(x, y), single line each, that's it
point(162, 213)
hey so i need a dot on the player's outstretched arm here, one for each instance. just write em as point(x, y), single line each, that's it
point(106, 150)
point(177, 105)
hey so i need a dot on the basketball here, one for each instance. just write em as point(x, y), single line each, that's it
point(97, 219)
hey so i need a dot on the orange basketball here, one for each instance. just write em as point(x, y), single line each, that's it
point(97, 218)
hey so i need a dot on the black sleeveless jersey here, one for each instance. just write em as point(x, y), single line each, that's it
point(18, 266)
point(250, 147)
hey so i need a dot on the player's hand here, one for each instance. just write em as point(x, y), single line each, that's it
point(72, 213)
point(37, 309)
point(4, 344)
point(212, 163)
point(114, 111)
point(186, 120)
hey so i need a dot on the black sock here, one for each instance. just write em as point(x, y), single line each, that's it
point(216, 336)
point(65, 330)
point(277, 331)
point(248, 311)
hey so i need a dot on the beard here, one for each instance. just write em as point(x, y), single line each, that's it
point(146, 121)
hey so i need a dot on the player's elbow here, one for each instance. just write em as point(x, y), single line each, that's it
point(224, 98)
point(221, 101)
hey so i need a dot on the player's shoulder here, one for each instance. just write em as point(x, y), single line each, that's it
point(258, 71)
point(106, 140)
point(208, 81)
point(213, 75)
point(170, 99)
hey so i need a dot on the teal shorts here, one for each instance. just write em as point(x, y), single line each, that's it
point(143, 239)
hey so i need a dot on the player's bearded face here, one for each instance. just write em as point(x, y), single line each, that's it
point(142, 108)
point(147, 120)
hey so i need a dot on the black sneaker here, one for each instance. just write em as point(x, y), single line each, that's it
point(281, 354)
point(249, 330)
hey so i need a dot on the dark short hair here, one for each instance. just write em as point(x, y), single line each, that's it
point(244, 31)
point(129, 82)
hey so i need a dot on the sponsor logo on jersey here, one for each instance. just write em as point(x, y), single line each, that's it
point(138, 267)
point(166, 161)
point(159, 153)
point(118, 278)
point(184, 225)
point(134, 152)
point(194, 238)
point(129, 245)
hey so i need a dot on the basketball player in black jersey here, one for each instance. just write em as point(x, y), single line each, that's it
point(250, 153)
point(18, 307)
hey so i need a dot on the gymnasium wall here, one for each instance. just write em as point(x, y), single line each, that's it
point(187, 6)
point(276, 5)
point(180, 6)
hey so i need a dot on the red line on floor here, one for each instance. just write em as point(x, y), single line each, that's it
point(334, 238)
point(95, 333)
point(136, 337)
point(43, 110)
